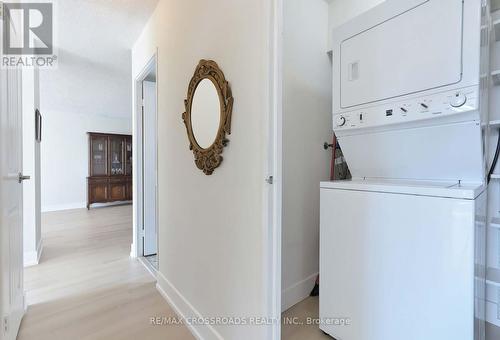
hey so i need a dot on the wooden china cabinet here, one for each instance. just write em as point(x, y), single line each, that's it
point(110, 168)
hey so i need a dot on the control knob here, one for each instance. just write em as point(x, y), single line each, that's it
point(341, 121)
point(459, 99)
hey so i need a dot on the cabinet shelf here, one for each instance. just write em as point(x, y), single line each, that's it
point(493, 276)
point(493, 283)
point(110, 177)
point(496, 29)
point(495, 222)
point(495, 76)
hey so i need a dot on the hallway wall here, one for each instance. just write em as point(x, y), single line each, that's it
point(341, 11)
point(211, 230)
point(307, 124)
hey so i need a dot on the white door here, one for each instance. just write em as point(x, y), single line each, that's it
point(11, 194)
point(149, 154)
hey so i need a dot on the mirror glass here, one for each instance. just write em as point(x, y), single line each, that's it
point(205, 113)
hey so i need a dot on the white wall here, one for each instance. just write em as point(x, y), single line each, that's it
point(341, 11)
point(211, 232)
point(64, 153)
point(307, 95)
point(81, 95)
point(32, 240)
point(86, 86)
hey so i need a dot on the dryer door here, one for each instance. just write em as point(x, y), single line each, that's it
point(416, 50)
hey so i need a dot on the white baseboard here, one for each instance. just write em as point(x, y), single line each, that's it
point(68, 206)
point(72, 206)
point(32, 258)
point(149, 267)
point(109, 204)
point(133, 251)
point(185, 309)
point(297, 292)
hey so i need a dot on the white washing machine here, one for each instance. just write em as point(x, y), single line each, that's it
point(402, 245)
point(399, 260)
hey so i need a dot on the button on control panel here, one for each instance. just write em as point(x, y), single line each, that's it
point(458, 100)
point(341, 121)
point(418, 108)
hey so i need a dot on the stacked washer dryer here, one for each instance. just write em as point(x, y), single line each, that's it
point(402, 245)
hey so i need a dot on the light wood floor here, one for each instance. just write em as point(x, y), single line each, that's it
point(86, 285)
point(309, 308)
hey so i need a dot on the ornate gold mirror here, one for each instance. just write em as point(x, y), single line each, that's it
point(209, 106)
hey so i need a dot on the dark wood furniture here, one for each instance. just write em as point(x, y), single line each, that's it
point(110, 168)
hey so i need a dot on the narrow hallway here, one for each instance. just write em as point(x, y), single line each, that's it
point(87, 286)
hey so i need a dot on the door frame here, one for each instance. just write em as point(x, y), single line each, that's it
point(149, 169)
point(274, 195)
point(137, 248)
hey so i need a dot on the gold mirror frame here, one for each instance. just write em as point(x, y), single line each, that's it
point(208, 159)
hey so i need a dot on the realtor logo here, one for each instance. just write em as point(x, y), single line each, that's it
point(33, 23)
point(28, 35)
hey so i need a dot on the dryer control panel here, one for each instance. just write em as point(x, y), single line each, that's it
point(420, 108)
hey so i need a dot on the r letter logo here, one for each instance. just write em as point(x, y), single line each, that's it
point(35, 21)
point(28, 35)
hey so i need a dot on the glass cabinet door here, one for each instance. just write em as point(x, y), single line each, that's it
point(99, 163)
point(128, 156)
point(116, 159)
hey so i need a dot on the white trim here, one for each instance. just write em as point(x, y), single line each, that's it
point(32, 258)
point(137, 139)
point(110, 204)
point(149, 267)
point(68, 206)
point(297, 292)
point(146, 171)
point(185, 309)
point(273, 201)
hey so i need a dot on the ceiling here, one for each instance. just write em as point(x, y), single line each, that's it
point(93, 43)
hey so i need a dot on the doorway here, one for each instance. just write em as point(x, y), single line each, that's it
point(302, 68)
point(147, 206)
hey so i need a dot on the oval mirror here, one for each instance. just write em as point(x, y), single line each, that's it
point(205, 113)
point(209, 106)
